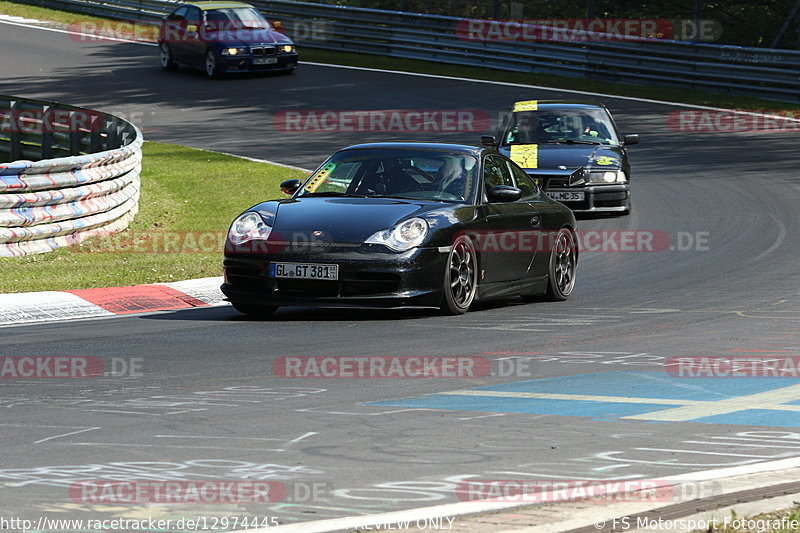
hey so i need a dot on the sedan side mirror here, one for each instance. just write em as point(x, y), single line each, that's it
point(488, 140)
point(503, 193)
point(630, 139)
point(290, 186)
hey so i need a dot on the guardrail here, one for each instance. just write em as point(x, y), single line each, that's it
point(66, 174)
point(762, 72)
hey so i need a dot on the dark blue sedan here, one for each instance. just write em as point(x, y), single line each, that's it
point(223, 37)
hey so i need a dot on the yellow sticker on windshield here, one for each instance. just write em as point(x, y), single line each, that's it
point(605, 160)
point(319, 177)
point(527, 105)
point(525, 155)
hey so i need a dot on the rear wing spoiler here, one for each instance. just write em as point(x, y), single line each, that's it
point(574, 176)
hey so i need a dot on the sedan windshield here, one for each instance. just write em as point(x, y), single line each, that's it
point(560, 126)
point(236, 18)
point(413, 174)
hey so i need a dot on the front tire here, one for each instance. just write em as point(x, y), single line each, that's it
point(563, 262)
point(460, 277)
point(211, 64)
point(165, 57)
point(255, 311)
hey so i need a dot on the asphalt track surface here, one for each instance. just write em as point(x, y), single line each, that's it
point(208, 406)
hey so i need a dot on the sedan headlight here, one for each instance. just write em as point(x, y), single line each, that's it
point(248, 227)
point(234, 51)
point(287, 48)
point(402, 237)
point(608, 176)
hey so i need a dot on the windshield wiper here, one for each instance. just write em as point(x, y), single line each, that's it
point(409, 198)
point(332, 193)
point(572, 141)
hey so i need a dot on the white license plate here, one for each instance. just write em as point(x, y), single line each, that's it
point(304, 271)
point(265, 60)
point(566, 196)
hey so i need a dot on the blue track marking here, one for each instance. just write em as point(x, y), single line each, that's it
point(646, 396)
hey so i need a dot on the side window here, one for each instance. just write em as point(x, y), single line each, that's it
point(495, 172)
point(523, 181)
point(178, 14)
point(194, 16)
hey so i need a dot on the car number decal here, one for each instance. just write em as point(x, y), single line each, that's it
point(605, 160)
point(317, 180)
point(527, 105)
point(525, 155)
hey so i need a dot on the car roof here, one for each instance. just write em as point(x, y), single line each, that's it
point(442, 147)
point(560, 104)
point(205, 6)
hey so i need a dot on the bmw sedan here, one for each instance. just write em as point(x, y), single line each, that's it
point(223, 37)
point(554, 138)
point(401, 225)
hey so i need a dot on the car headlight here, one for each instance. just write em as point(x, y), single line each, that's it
point(402, 237)
point(233, 51)
point(608, 176)
point(287, 48)
point(248, 227)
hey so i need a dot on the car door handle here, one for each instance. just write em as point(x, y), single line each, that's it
point(536, 221)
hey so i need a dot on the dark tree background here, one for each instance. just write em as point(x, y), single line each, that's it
point(743, 22)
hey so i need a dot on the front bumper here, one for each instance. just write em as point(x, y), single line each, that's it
point(245, 63)
point(369, 276)
point(613, 198)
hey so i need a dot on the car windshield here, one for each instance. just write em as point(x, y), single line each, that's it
point(413, 174)
point(567, 126)
point(235, 18)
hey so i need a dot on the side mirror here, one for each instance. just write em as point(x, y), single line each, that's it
point(488, 140)
point(277, 24)
point(191, 28)
point(290, 186)
point(503, 193)
point(630, 139)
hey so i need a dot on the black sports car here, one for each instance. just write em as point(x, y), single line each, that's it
point(223, 37)
point(403, 225)
point(554, 138)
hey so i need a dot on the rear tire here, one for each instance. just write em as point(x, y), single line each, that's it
point(165, 57)
point(561, 271)
point(460, 277)
point(255, 311)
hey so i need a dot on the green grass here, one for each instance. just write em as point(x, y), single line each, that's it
point(187, 195)
point(43, 13)
point(673, 94)
point(785, 516)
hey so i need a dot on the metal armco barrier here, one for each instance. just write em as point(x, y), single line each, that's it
point(66, 174)
point(760, 72)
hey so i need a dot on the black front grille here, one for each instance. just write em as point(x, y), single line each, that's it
point(263, 50)
point(558, 183)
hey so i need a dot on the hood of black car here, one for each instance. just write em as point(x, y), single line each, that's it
point(575, 155)
point(247, 37)
point(342, 220)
